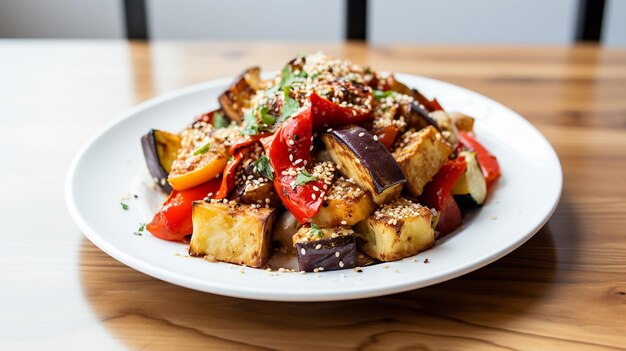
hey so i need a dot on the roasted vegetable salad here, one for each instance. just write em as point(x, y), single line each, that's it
point(327, 160)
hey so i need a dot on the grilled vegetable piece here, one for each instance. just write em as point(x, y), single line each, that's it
point(159, 150)
point(365, 160)
point(421, 154)
point(238, 96)
point(446, 127)
point(325, 249)
point(253, 188)
point(470, 190)
point(462, 121)
point(397, 230)
point(346, 204)
point(238, 234)
point(418, 118)
point(202, 156)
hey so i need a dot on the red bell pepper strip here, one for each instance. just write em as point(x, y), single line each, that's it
point(437, 190)
point(434, 104)
point(303, 201)
point(387, 135)
point(228, 178)
point(246, 141)
point(292, 142)
point(450, 217)
point(173, 220)
point(488, 162)
point(327, 113)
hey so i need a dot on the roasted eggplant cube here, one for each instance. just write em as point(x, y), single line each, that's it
point(346, 204)
point(421, 154)
point(239, 234)
point(325, 249)
point(253, 188)
point(160, 149)
point(362, 158)
point(470, 190)
point(238, 96)
point(396, 230)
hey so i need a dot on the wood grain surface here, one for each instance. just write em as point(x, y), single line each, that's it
point(563, 289)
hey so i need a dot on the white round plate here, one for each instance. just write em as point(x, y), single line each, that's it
point(110, 169)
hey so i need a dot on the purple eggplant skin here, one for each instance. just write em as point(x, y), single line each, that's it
point(311, 258)
point(151, 144)
point(384, 175)
point(419, 118)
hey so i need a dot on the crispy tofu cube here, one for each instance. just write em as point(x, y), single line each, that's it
point(397, 230)
point(236, 234)
point(346, 204)
point(420, 155)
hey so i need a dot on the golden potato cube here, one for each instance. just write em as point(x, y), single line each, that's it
point(397, 230)
point(346, 204)
point(238, 234)
point(420, 155)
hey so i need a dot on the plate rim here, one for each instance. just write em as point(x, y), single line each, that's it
point(277, 295)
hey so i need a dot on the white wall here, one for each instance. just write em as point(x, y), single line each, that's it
point(614, 24)
point(61, 19)
point(476, 21)
point(247, 19)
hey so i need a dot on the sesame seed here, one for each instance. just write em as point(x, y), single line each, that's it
point(337, 254)
point(341, 264)
point(375, 138)
point(318, 246)
point(316, 270)
point(291, 157)
point(297, 161)
point(344, 222)
point(321, 269)
point(313, 196)
point(291, 142)
point(303, 251)
point(329, 130)
point(357, 160)
point(361, 134)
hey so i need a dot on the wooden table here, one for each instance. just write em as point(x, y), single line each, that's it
point(563, 289)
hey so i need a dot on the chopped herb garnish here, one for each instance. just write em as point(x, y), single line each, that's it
point(264, 167)
point(315, 75)
point(219, 120)
point(142, 226)
point(266, 118)
point(290, 106)
point(250, 124)
point(124, 206)
point(378, 94)
point(287, 77)
point(304, 177)
point(367, 70)
point(315, 230)
point(202, 150)
point(230, 158)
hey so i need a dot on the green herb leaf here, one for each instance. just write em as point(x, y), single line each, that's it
point(287, 77)
point(315, 230)
point(124, 206)
point(304, 177)
point(250, 124)
point(142, 226)
point(264, 167)
point(378, 94)
point(290, 106)
point(266, 118)
point(202, 150)
point(219, 120)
